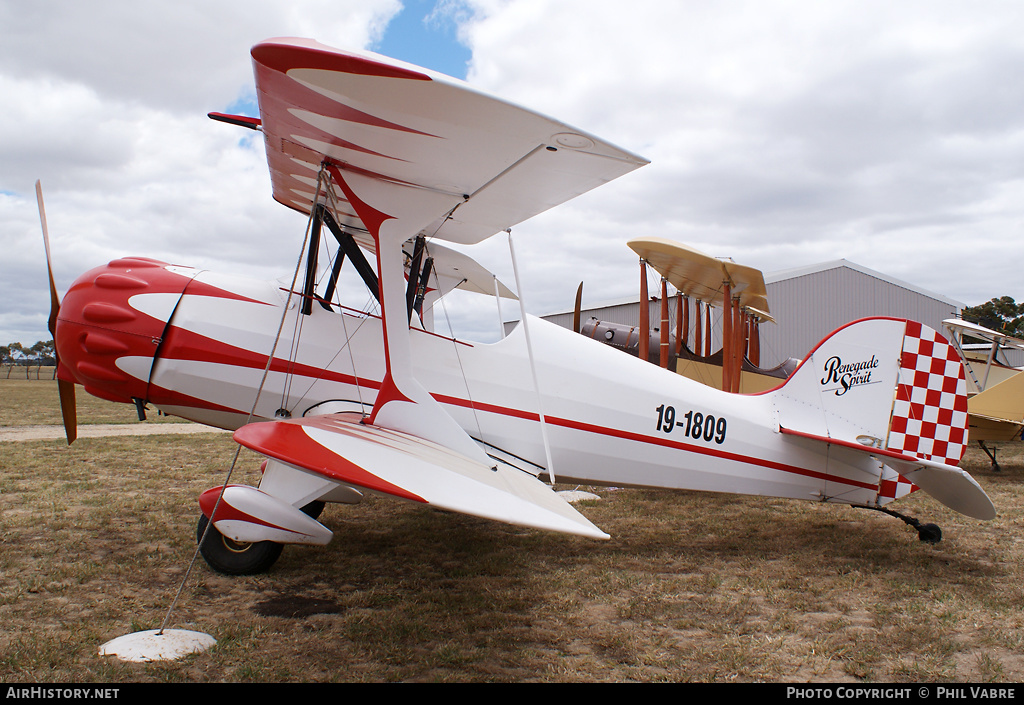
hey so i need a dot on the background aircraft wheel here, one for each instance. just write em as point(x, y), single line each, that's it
point(235, 557)
point(929, 533)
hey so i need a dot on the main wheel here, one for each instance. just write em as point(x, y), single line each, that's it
point(235, 557)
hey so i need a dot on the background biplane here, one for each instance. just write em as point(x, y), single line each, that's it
point(702, 283)
point(388, 161)
point(995, 388)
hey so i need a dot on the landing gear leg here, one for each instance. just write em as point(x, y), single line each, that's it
point(929, 533)
point(991, 455)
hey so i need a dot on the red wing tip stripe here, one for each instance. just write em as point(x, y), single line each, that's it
point(240, 120)
point(226, 512)
point(289, 443)
point(288, 54)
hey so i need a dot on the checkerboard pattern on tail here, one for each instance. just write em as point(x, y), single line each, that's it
point(893, 486)
point(929, 416)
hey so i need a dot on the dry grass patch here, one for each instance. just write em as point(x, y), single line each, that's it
point(691, 587)
point(34, 402)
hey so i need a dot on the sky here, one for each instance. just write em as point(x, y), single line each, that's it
point(780, 134)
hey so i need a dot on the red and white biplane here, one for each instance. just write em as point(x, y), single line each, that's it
point(395, 160)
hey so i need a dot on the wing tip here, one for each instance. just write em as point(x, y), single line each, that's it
point(284, 54)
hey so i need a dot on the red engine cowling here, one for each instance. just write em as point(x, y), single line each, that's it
point(99, 331)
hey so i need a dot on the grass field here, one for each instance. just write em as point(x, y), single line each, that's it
point(32, 402)
point(692, 587)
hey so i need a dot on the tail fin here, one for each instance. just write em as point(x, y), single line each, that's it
point(886, 383)
point(894, 389)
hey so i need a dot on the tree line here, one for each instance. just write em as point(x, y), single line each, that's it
point(1001, 314)
point(39, 355)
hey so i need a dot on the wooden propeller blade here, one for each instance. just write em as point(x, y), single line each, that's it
point(68, 409)
point(54, 299)
point(576, 310)
point(66, 390)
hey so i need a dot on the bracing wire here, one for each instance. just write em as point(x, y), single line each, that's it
point(252, 410)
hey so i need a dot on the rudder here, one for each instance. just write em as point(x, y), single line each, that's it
point(929, 418)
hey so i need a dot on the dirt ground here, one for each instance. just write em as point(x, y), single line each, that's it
point(97, 539)
point(50, 432)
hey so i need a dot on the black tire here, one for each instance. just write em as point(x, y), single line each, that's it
point(929, 533)
point(234, 557)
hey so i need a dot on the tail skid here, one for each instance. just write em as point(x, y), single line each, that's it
point(895, 390)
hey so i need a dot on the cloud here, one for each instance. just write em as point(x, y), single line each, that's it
point(779, 133)
point(106, 103)
point(788, 133)
point(182, 56)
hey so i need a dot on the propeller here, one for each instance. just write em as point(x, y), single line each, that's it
point(66, 390)
point(576, 309)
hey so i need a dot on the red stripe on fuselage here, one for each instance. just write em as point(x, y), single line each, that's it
point(641, 438)
point(566, 423)
point(182, 344)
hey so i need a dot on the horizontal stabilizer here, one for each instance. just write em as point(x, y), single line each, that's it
point(408, 467)
point(948, 484)
point(951, 486)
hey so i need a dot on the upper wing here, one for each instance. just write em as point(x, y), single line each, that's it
point(701, 276)
point(402, 465)
point(1001, 402)
point(963, 327)
point(457, 270)
point(400, 124)
point(997, 414)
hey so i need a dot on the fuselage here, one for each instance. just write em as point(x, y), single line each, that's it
point(196, 344)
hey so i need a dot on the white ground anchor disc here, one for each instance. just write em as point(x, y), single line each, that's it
point(572, 496)
point(152, 645)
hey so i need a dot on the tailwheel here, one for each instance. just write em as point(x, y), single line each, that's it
point(928, 533)
point(235, 557)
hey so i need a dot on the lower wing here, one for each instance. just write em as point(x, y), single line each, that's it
point(394, 463)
